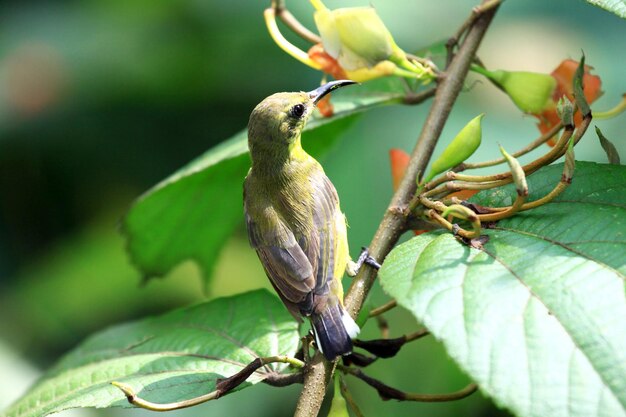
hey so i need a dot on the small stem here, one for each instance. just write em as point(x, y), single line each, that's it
point(458, 186)
point(517, 206)
point(292, 23)
point(383, 326)
point(222, 386)
point(148, 405)
point(383, 309)
point(387, 392)
point(417, 98)
point(560, 187)
point(425, 62)
point(455, 229)
point(318, 5)
point(615, 111)
point(436, 205)
point(477, 11)
point(348, 397)
point(416, 335)
point(284, 44)
point(532, 146)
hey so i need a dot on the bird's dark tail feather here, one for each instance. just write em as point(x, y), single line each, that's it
point(334, 330)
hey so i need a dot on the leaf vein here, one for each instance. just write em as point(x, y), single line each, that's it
point(564, 246)
point(574, 342)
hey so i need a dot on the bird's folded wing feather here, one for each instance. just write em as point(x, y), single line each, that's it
point(283, 259)
point(322, 252)
point(300, 268)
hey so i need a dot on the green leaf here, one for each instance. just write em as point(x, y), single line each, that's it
point(537, 317)
point(617, 7)
point(169, 358)
point(190, 214)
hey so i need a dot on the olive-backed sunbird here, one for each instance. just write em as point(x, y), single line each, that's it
point(294, 221)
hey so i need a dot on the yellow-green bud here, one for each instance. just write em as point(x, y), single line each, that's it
point(338, 407)
point(517, 172)
point(462, 147)
point(530, 91)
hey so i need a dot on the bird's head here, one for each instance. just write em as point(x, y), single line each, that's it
point(277, 122)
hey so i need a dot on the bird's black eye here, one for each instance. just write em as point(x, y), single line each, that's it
point(297, 111)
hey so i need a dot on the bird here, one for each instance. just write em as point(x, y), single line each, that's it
point(294, 220)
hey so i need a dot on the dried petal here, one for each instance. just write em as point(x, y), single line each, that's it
point(564, 76)
point(399, 162)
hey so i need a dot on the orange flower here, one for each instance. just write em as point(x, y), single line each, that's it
point(399, 162)
point(325, 106)
point(564, 76)
point(328, 64)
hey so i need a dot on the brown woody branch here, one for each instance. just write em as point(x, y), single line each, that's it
point(394, 223)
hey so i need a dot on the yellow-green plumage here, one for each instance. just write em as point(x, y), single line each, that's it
point(294, 220)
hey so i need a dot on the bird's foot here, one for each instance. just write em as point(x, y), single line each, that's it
point(364, 258)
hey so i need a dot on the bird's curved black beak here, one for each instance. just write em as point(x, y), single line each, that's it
point(317, 94)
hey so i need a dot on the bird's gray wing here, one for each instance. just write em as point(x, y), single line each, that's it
point(322, 244)
point(284, 261)
point(299, 267)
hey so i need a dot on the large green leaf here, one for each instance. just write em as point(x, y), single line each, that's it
point(173, 357)
point(190, 214)
point(538, 317)
point(615, 6)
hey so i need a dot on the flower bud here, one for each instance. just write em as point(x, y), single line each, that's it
point(338, 406)
point(355, 36)
point(517, 172)
point(462, 147)
point(362, 45)
point(565, 111)
point(530, 91)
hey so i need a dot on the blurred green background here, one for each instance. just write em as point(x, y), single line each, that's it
point(99, 100)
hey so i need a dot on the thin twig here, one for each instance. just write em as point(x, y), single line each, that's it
point(477, 11)
point(417, 98)
point(348, 397)
point(292, 23)
point(416, 335)
point(383, 308)
point(517, 206)
point(222, 387)
point(387, 393)
point(454, 228)
point(383, 326)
